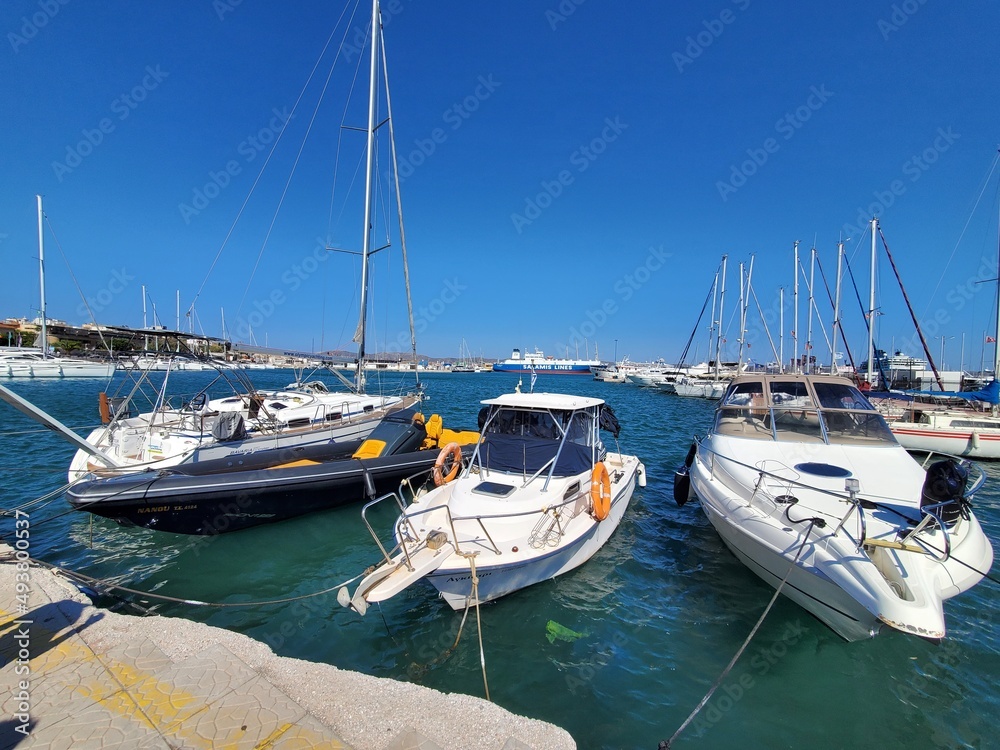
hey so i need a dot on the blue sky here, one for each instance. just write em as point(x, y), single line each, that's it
point(573, 170)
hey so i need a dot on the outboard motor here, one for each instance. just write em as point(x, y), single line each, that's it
point(229, 426)
point(945, 487)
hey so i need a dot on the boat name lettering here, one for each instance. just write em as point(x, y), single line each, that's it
point(157, 509)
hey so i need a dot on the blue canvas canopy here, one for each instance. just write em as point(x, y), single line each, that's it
point(990, 394)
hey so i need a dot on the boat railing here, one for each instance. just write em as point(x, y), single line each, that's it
point(931, 514)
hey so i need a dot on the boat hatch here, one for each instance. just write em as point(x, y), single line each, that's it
point(495, 489)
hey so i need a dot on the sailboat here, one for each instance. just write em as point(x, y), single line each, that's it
point(303, 415)
point(969, 432)
point(39, 363)
point(714, 386)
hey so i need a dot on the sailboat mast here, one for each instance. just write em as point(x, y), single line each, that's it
point(41, 279)
point(781, 329)
point(871, 309)
point(366, 244)
point(996, 332)
point(810, 306)
point(795, 307)
point(836, 308)
point(722, 302)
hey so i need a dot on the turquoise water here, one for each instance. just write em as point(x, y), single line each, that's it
point(661, 608)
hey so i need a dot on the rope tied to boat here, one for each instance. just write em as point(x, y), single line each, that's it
point(666, 744)
point(471, 557)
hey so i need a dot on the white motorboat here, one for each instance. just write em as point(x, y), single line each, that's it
point(805, 483)
point(35, 364)
point(539, 497)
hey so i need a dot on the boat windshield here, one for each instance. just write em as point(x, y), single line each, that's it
point(801, 411)
point(529, 440)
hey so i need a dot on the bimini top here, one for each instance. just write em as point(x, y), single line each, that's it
point(800, 408)
point(559, 401)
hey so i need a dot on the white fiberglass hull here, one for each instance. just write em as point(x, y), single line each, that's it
point(853, 591)
point(56, 368)
point(178, 437)
point(956, 441)
point(510, 571)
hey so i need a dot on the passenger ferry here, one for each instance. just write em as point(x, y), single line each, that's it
point(540, 363)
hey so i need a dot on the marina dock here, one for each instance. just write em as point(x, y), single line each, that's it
point(77, 676)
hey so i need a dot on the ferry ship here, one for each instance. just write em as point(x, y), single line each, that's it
point(538, 362)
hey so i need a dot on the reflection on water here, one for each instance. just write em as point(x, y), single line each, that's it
point(663, 606)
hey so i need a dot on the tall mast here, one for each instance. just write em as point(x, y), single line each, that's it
point(781, 329)
point(359, 337)
point(996, 333)
point(795, 308)
point(812, 303)
point(722, 302)
point(871, 308)
point(41, 280)
point(836, 308)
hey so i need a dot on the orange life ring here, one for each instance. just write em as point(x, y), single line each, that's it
point(453, 450)
point(600, 491)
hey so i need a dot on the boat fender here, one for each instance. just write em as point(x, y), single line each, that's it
point(104, 408)
point(369, 484)
point(455, 452)
point(975, 439)
point(682, 477)
point(600, 491)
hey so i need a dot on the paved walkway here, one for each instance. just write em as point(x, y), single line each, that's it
point(77, 677)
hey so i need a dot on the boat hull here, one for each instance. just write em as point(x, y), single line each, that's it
point(543, 368)
point(189, 502)
point(496, 579)
point(971, 443)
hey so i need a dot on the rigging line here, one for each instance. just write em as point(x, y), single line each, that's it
point(951, 257)
point(340, 135)
point(913, 315)
point(288, 182)
point(665, 745)
point(75, 282)
point(103, 583)
point(838, 323)
point(267, 160)
point(868, 323)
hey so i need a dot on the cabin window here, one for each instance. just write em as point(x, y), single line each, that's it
point(791, 393)
point(841, 396)
point(743, 394)
point(846, 427)
point(798, 425)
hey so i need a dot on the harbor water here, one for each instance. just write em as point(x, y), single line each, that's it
point(647, 625)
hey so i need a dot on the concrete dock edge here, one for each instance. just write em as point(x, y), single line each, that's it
point(76, 676)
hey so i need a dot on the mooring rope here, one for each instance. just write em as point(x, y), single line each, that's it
point(664, 745)
point(103, 583)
